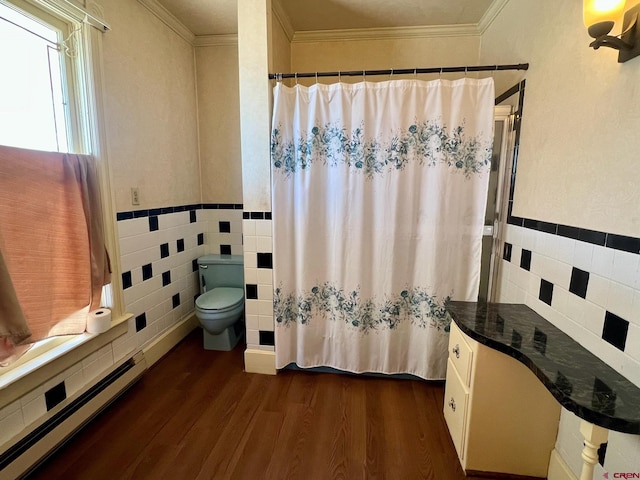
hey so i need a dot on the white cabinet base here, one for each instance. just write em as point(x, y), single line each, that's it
point(511, 420)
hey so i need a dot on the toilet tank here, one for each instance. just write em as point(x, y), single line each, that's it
point(220, 271)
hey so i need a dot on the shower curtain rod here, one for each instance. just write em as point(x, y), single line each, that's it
point(401, 71)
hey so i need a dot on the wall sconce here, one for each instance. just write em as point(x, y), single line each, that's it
point(600, 16)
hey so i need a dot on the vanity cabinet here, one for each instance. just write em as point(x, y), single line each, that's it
point(509, 370)
point(500, 416)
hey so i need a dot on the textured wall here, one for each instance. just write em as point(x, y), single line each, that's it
point(280, 54)
point(150, 109)
point(578, 161)
point(254, 17)
point(384, 54)
point(219, 123)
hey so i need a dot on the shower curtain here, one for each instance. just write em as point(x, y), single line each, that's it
point(379, 193)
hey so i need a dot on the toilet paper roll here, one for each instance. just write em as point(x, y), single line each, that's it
point(99, 320)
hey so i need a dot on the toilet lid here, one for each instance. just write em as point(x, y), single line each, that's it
point(220, 298)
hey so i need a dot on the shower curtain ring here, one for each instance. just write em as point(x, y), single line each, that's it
point(316, 77)
point(339, 79)
point(440, 74)
point(391, 74)
point(296, 77)
point(415, 72)
point(364, 77)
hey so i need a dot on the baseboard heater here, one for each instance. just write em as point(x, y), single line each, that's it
point(34, 448)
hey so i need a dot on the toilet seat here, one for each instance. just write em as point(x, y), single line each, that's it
point(220, 299)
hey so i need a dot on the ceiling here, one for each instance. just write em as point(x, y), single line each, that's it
point(219, 17)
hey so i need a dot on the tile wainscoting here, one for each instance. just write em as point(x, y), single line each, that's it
point(30, 409)
point(159, 249)
point(591, 292)
point(588, 285)
point(258, 277)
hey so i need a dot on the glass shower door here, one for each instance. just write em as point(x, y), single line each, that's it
point(500, 168)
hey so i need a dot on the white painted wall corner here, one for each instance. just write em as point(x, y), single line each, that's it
point(260, 361)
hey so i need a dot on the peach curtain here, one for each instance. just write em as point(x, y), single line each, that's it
point(53, 261)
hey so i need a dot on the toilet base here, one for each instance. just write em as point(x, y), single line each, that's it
point(224, 341)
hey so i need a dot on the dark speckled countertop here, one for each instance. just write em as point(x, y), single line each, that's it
point(579, 380)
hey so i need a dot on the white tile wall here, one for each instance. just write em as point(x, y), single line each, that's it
point(214, 238)
point(258, 238)
point(11, 421)
point(614, 286)
point(149, 297)
point(29, 409)
point(569, 441)
point(623, 454)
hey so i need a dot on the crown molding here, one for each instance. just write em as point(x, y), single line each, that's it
point(386, 33)
point(77, 11)
point(283, 19)
point(329, 35)
point(215, 40)
point(490, 15)
point(168, 19)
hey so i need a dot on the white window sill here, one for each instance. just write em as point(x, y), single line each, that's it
point(40, 354)
point(39, 366)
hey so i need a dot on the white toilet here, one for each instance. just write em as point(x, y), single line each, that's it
point(220, 306)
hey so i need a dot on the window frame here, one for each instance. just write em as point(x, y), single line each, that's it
point(86, 135)
point(68, 69)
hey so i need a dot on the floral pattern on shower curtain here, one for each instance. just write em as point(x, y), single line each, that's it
point(379, 193)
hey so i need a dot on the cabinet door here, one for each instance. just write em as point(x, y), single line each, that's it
point(456, 398)
point(460, 354)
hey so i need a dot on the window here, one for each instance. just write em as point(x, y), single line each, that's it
point(46, 100)
point(35, 106)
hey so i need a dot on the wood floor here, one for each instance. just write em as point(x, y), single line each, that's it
point(197, 415)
